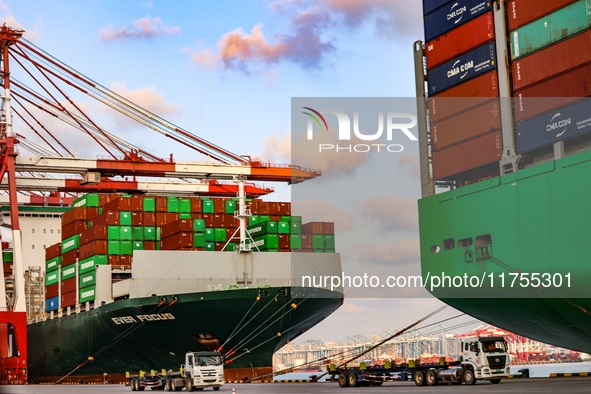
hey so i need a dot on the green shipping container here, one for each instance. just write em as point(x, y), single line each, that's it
point(125, 218)
point(285, 219)
point(230, 206)
point(231, 247)
point(266, 242)
point(71, 243)
point(113, 233)
point(198, 225)
point(220, 235)
point(89, 200)
point(252, 220)
point(184, 205)
point(210, 246)
point(157, 233)
point(51, 278)
point(7, 257)
point(317, 241)
point(198, 240)
point(87, 294)
point(88, 224)
point(149, 204)
point(126, 247)
point(68, 272)
point(90, 263)
point(296, 228)
point(209, 234)
point(329, 242)
point(172, 204)
point(137, 245)
point(545, 31)
point(125, 233)
point(149, 233)
point(295, 241)
point(262, 229)
point(51, 265)
point(87, 279)
point(296, 219)
point(283, 227)
point(183, 215)
point(207, 205)
point(329, 251)
point(137, 233)
point(264, 218)
point(113, 247)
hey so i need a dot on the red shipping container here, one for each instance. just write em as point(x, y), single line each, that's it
point(114, 260)
point(283, 241)
point(109, 218)
point(468, 155)
point(104, 199)
point(264, 208)
point(219, 205)
point(93, 233)
point(196, 205)
point(149, 219)
point(52, 291)
point(522, 12)
point(275, 218)
point(161, 204)
point(328, 228)
point(137, 204)
point(255, 206)
point(285, 208)
point(70, 257)
point(69, 299)
point(120, 204)
point(68, 285)
point(150, 245)
point(307, 242)
point(93, 248)
point(73, 215)
point(219, 220)
point(208, 219)
point(462, 39)
point(160, 219)
point(177, 241)
point(553, 93)
point(73, 228)
point(137, 218)
point(466, 95)
point(466, 125)
point(171, 217)
point(53, 251)
point(230, 221)
point(92, 212)
point(196, 216)
point(312, 228)
point(230, 232)
point(553, 60)
point(274, 208)
point(125, 260)
point(219, 246)
point(181, 225)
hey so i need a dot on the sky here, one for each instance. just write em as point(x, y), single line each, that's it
point(227, 71)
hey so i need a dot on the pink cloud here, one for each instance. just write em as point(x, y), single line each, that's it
point(145, 27)
point(410, 162)
point(147, 97)
point(393, 214)
point(401, 252)
point(277, 148)
point(322, 211)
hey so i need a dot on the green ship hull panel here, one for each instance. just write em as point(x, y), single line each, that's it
point(538, 221)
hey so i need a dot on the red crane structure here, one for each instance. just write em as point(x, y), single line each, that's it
point(53, 174)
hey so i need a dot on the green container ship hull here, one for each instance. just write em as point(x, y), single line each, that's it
point(535, 220)
point(156, 332)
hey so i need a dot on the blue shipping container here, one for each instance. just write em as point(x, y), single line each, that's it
point(453, 15)
point(462, 68)
point(432, 5)
point(52, 304)
point(557, 125)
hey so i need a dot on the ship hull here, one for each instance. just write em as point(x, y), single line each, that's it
point(532, 221)
point(156, 332)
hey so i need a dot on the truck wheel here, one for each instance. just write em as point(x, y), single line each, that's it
point(140, 387)
point(167, 385)
point(419, 378)
point(343, 381)
point(352, 380)
point(132, 385)
point(469, 377)
point(431, 378)
point(216, 388)
point(173, 385)
point(377, 383)
point(189, 384)
point(495, 381)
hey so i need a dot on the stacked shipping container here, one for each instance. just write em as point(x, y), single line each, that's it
point(462, 86)
point(107, 228)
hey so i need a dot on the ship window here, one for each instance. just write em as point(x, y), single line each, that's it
point(58, 231)
point(44, 231)
point(435, 249)
point(33, 230)
point(448, 244)
point(462, 243)
point(32, 246)
point(51, 231)
point(483, 247)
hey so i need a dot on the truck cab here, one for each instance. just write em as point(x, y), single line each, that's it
point(203, 369)
point(486, 357)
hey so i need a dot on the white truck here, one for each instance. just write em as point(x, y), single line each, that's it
point(200, 370)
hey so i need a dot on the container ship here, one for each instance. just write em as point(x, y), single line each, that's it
point(505, 158)
point(125, 262)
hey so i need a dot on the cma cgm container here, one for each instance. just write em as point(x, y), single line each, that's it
point(553, 60)
point(464, 96)
point(466, 37)
point(462, 68)
point(468, 155)
point(522, 12)
point(545, 31)
point(432, 5)
point(553, 126)
point(452, 15)
point(553, 93)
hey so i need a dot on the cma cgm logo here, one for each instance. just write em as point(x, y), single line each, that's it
point(395, 122)
point(456, 13)
point(557, 124)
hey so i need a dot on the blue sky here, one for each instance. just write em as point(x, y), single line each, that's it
point(227, 70)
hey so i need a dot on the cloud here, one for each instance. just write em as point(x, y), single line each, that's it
point(322, 211)
point(401, 252)
point(277, 148)
point(392, 214)
point(32, 34)
point(146, 97)
point(410, 162)
point(142, 28)
point(303, 45)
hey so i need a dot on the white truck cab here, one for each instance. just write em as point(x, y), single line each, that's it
point(486, 358)
point(203, 369)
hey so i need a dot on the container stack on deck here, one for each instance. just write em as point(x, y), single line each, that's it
point(549, 68)
point(108, 228)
